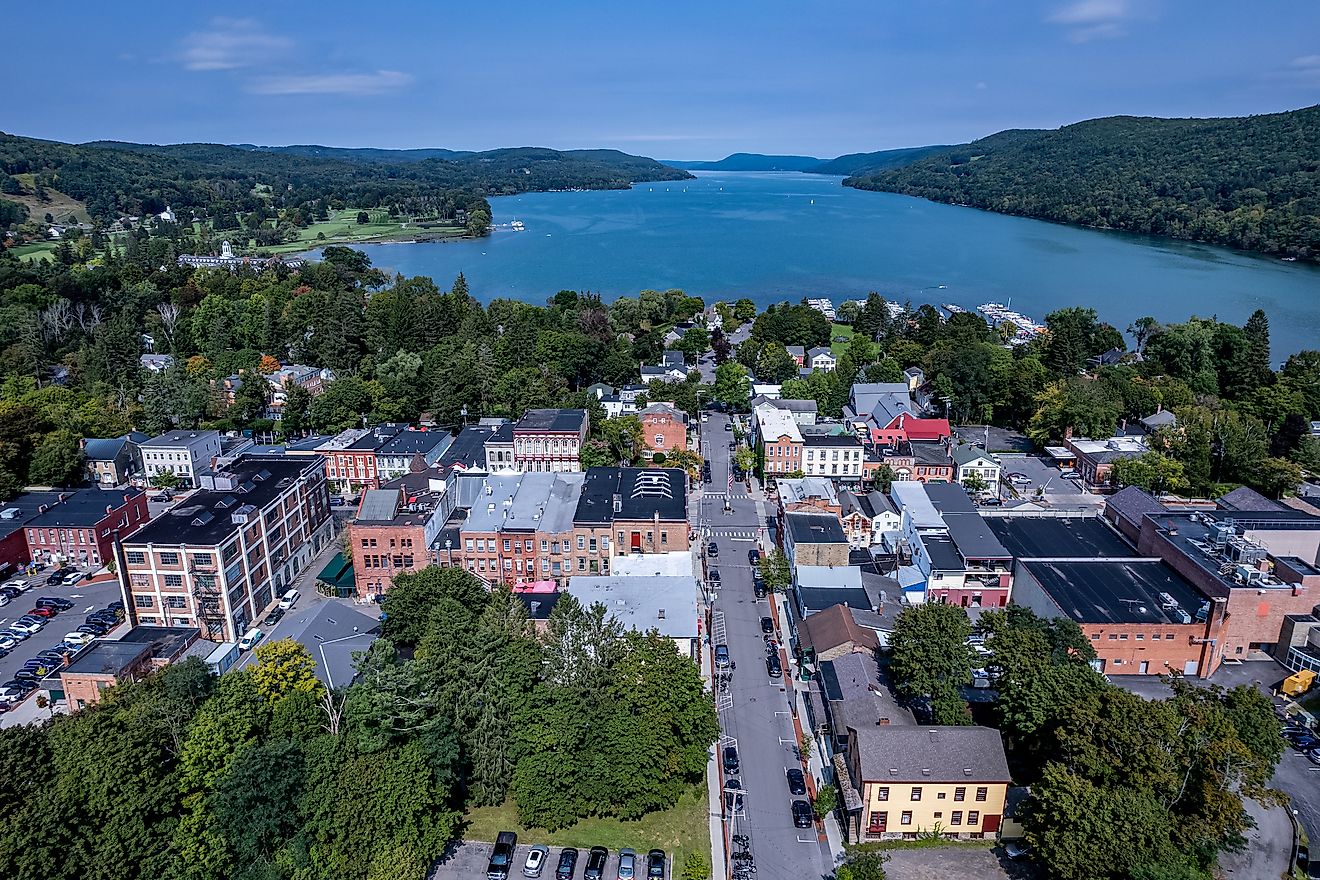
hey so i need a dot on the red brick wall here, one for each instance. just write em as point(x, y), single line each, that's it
point(671, 431)
point(1123, 647)
point(389, 550)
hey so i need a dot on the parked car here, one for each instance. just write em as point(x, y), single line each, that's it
point(991, 502)
point(39, 668)
point(728, 426)
point(250, 639)
point(72, 578)
point(797, 783)
point(753, 556)
point(287, 600)
point(25, 626)
point(501, 857)
point(43, 611)
point(276, 614)
point(655, 865)
point(78, 639)
point(758, 588)
point(733, 796)
point(627, 864)
point(28, 674)
point(596, 859)
point(336, 501)
point(767, 625)
point(1019, 479)
point(55, 602)
point(731, 765)
point(715, 575)
point(722, 657)
point(15, 634)
point(53, 657)
point(57, 577)
point(567, 864)
point(535, 861)
point(8, 642)
point(802, 815)
point(712, 549)
point(11, 695)
point(773, 666)
point(94, 629)
point(161, 498)
point(1070, 474)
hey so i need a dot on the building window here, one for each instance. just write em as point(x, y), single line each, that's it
point(960, 794)
point(173, 580)
point(982, 792)
point(135, 557)
point(906, 818)
point(916, 792)
point(955, 818)
point(176, 602)
point(973, 817)
point(143, 601)
point(1095, 637)
point(506, 545)
point(169, 559)
point(1154, 637)
point(1113, 637)
point(882, 793)
point(582, 542)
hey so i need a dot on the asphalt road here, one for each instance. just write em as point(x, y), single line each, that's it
point(87, 597)
point(755, 710)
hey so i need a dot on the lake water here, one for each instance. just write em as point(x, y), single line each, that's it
point(772, 237)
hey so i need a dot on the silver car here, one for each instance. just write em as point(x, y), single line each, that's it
point(627, 864)
point(536, 859)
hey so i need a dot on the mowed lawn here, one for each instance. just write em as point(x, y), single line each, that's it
point(678, 832)
point(836, 330)
point(343, 227)
point(38, 250)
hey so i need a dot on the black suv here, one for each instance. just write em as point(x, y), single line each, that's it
point(802, 816)
point(655, 865)
point(731, 759)
point(567, 864)
point(596, 859)
point(501, 858)
point(773, 666)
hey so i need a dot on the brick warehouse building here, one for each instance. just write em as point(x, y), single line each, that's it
point(219, 559)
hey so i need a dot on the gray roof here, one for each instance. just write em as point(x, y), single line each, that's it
point(881, 400)
point(968, 530)
point(1030, 537)
point(857, 694)
point(1101, 591)
point(85, 507)
point(1133, 503)
point(544, 502)
point(487, 509)
point(930, 754)
point(1161, 419)
point(551, 420)
point(1246, 498)
point(109, 448)
point(967, 453)
point(412, 442)
point(814, 528)
point(181, 438)
point(379, 504)
point(818, 350)
point(666, 604)
point(796, 349)
point(332, 632)
point(796, 489)
point(930, 454)
point(104, 657)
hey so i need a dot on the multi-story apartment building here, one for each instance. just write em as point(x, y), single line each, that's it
point(780, 440)
point(837, 456)
point(82, 527)
point(549, 440)
point(516, 528)
point(410, 450)
point(664, 426)
point(182, 453)
point(395, 529)
point(499, 449)
point(350, 457)
point(910, 781)
point(218, 560)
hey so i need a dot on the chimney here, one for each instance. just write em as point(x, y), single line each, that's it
point(1067, 433)
point(1159, 408)
point(618, 503)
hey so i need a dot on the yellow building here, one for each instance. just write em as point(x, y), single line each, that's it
point(908, 781)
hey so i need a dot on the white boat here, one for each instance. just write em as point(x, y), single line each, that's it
point(517, 226)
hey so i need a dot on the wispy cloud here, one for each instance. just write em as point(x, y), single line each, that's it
point(1305, 69)
point(376, 83)
point(230, 44)
point(1086, 20)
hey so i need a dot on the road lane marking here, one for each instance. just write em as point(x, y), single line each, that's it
point(89, 609)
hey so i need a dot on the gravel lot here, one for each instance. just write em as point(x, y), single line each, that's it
point(963, 862)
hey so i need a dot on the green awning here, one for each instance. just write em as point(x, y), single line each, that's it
point(338, 573)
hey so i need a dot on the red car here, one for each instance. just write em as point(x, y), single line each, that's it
point(43, 612)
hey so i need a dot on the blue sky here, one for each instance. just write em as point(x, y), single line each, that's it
point(679, 80)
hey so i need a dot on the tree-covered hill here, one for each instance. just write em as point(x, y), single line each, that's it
point(1250, 182)
point(114, 178)
point(869, 163)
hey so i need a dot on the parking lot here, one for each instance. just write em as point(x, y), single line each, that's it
point(469, 859)
point(965, 861)
point(1041, 472)
point(86, 596)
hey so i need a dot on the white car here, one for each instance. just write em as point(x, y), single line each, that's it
point(72, 578)
point(1019, 479)
point(25, 626)
point(8, 642)
point(536, 857)
point(4, 600)
point(10, 695)
point(19, 584)
point(250, 639)
point(77, 639)
point(287, 600)
point(1070, 475)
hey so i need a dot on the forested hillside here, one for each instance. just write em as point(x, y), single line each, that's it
point(867, 163)
point(1251, 182)
point(114, 178)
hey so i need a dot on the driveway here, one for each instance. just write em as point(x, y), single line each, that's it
point(1042, 473)
point(1269, 845)
point(1001, 439)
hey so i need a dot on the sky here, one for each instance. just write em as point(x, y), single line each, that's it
point(679, 80)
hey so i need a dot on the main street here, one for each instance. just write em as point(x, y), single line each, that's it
point(755, 711)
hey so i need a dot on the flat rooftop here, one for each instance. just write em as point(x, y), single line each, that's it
point(1117, 592)
point(1028, 537)
point(551, 420)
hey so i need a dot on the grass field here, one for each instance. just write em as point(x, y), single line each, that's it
point(65, 209)
point(836, 330)
point(38, 250)
point(342, 227)
point(678, 832)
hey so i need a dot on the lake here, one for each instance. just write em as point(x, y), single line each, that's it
point(772, 237)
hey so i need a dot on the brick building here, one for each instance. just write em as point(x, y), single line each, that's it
point(625, 511)
point(780, 441)
point(394, 530)
point(80, 529)
point(350, 457)
point(219, 559)
point(105, 663)
point(664, 426)
point(549, 440)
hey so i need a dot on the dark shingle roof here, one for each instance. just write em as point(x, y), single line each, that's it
point(642, 493)
point(556, 420)
point(1133, 503)
point(1245, 498)
point(815, 528)
point(930, 754)
point(86, 507)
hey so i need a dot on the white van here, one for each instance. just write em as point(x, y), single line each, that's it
point(287, 600)
point(250, 639)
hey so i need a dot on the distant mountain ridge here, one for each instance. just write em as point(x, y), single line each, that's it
point(1248, 182)
point(751, 162)
point(852, 163)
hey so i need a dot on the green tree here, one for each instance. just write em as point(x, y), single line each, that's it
point(410, 602)
point(929, 649)
point(827, 800)
point(1153, 471)
point(731, 386)
point(863, 865)
point(284, 667)
point(57, 460)
point(775, 571)
point(363, 218)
